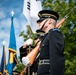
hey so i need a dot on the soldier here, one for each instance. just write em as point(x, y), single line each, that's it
point(51, 59)
point(24, 50)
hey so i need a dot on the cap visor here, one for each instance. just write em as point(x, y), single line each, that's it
point(40, 20)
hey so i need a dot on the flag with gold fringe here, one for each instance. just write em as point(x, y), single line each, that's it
point(12, 60)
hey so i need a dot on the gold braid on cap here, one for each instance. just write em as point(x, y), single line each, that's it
point(46, 15)
point(39, 14)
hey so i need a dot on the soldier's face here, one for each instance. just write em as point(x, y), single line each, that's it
point(45, 26)
point(41, 24)
point(48, 25)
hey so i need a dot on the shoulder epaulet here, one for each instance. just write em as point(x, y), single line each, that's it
point(55, 29)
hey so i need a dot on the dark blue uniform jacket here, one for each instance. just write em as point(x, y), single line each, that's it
point(52, 47)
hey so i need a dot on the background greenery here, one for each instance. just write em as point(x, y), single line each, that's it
point(68, 28)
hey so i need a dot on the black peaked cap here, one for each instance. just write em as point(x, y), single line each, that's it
point(43, 14)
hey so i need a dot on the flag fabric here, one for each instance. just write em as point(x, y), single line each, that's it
point(0, 73)
point(0, 70)
point(26, 10)
point(30, 11)
point(3, 61)
point(12, 50)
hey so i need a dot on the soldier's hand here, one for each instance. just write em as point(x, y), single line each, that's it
point(29, 42)
point(25, 61)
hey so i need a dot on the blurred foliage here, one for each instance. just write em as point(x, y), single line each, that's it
point(28, 34)
point(68, 28)
point(19, 66)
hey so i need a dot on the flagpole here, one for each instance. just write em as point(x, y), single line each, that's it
point(4, 56)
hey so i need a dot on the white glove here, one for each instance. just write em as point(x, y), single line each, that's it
point(25, 61)
point(29, 42)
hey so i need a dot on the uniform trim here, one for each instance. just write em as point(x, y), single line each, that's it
point(55, 29)
point(23, 52)
point(48, 15)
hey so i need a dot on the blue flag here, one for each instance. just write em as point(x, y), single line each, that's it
point(12, 50)
point(3, 61)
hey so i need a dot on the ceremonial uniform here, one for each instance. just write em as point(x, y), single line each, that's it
point(51, 59)
point(24, 52)
point(51, 54)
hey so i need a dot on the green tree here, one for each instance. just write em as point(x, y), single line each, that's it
point(19, 66)
point(28, 34)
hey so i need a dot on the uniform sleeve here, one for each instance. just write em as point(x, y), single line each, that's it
point(57, 59)
point(22, 52)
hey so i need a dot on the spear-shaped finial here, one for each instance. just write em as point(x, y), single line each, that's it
point(3, 42)
point(12, 13)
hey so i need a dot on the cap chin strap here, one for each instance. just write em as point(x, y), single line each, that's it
point(44, 24)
